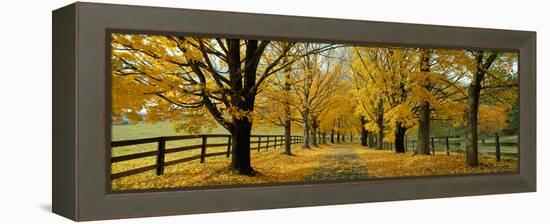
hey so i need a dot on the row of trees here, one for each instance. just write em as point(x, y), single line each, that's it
point(402, 88)
point(200, 82)
point(314, 93)
point(319, 89)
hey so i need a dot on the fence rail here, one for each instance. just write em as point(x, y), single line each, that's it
point(448, 141)
point(260, 142)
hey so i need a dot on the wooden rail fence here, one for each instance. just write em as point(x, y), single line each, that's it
point(448, 141)
point(261, 142)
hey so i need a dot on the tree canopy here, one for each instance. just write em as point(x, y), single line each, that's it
point(318, 89)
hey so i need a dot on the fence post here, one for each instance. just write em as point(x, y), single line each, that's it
point(160, 156)
point(447, 144)
point(497, 145)
point(228, 146)
point(433, 146)
point(267, 143)
point(275, 145)
point(259, 142)
point(203, 148)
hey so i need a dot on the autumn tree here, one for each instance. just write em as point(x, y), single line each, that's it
point(455, 82)
point(339, 118)
point(316, 83)
point(436, 91)
point(184, 77)
point(368, 92)
point(489, 71)
point(423, 142)
point(386, 71)
point(279, 93)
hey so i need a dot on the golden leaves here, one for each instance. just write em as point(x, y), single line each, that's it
point(389, 164)
point(492, 119)
point(273, 167)
point(402, 114)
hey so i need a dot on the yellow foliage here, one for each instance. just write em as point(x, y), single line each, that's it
point(492, 119)
point(390, 164)
point(273, 167)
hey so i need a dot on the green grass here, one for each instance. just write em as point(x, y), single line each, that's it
point(440, 146)
point(148, 130)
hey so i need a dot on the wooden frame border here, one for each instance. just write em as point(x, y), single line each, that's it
point(81, 128)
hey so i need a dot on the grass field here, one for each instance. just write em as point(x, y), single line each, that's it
point(440, 145)
point(148, 130)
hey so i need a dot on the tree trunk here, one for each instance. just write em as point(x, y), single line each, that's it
point(288, 111)
point(364, 136)
point(332, 136)
point(497, 145)
point(473, 106)
point(306, 108)
point(447, 144)
point(314, 134)
point(399, 138)
point(364, 132)
point(471, 128)
point(380, 123)
point(305, 143)
point(423, 142)
point(240, 142)
point(288, 143)
point(243, 99)
point(338, 136)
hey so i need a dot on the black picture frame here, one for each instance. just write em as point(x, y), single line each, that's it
point(81, 111)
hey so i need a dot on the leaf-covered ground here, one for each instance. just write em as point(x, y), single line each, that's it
point(385, 163)
point(340, 163)
point(330, 162)
point(272, 166)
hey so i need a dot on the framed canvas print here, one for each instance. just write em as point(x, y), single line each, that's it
point(160, 111)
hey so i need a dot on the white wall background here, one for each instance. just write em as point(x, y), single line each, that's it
point(25, 121)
